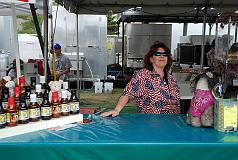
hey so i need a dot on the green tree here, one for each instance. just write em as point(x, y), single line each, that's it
point(27, 24)
point(111, 24)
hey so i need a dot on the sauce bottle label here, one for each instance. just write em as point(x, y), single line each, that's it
point(3, 119)
point(65, 108)
point(34, 113)
point(23, 115)
point(74, 106)
point(46, 111)
point(12, 117)
point(56, 109)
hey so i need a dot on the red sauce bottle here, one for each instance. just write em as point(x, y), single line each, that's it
point(12, 113)
point(22, 84)
point(56, 108)
point(17, 94)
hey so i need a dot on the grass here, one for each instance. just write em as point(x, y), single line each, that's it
point(27, 26)
point(103, 100)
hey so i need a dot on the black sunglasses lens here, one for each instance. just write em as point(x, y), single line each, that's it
point(161, 54)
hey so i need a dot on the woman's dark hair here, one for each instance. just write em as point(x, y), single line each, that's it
point(157, 44)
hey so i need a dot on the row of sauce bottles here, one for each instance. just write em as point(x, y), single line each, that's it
point(26, 106)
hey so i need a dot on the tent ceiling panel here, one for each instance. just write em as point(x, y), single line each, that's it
point(149, 6)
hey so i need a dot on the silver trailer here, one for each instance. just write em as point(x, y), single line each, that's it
point(114, 49)
point(139, 38)
point(92, 40)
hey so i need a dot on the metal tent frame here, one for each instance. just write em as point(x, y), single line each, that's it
point(160, 11)
point(167, 8)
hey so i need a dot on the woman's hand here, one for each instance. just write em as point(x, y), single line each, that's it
point(112, 113)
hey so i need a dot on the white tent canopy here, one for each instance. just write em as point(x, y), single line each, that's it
point(21, 6)
point(148, 6)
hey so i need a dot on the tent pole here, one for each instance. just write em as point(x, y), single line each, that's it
point(122, 50)
point(77, 39)
point(118, 34)
point(203, 39)
point(185, 29)
point(15, 40)
point(45, 15)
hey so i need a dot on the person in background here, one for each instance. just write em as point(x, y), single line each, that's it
point(62, 63)
point(211, 56)
point(153, 87)
point(232, 68)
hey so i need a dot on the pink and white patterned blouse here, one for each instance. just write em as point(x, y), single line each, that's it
point(202, 100)
point(152, 94)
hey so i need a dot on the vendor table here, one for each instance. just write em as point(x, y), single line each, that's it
point(127, 136)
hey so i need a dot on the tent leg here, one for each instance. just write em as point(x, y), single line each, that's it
point(15, 40)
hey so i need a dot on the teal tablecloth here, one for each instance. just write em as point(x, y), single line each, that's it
point(128, 136)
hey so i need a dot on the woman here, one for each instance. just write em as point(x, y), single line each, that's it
point(153, 88)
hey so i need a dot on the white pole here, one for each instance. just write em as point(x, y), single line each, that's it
point(77, 29)
point(15, 40)
point(203, 40)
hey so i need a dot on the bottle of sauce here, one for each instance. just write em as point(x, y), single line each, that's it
point(46, 88)
point(56, 108)
point(4, 98)
point(34, 109)
point(65, 104)
point(46, 108)
point(33, 84)
point(23, 112)
point(42, 82)
point(74, 109)
point(27, 95)
point(17, 94)
point(3, 118)
point(65, 85)
point(39, 94)
point(12, 113)
point(22, 84)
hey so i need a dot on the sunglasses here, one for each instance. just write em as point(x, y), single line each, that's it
point(165, 54)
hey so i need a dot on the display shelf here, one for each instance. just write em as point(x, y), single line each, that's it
point(42, 124)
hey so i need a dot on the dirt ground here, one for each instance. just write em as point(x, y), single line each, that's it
point(108, 101)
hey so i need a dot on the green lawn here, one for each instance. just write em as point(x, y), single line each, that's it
point(89, 99)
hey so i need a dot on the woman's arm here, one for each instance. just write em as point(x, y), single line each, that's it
point(132, 90)
point(123, 100)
